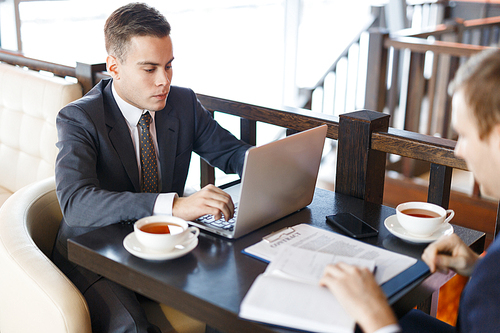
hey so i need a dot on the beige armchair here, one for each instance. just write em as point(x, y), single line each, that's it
point(35, 295)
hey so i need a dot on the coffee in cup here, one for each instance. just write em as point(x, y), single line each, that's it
point(163, 233)
point(422, 218)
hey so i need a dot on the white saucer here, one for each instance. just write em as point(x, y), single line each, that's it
point(392, 224)
point(133, 246)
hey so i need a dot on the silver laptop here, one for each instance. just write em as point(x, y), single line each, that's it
point(278, 179)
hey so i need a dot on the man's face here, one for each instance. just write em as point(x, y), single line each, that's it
point(481, 155)
point(143, 78)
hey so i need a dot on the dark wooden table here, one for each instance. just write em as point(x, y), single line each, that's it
point(210, 282)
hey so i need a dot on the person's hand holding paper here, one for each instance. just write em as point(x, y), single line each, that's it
point(360, 295)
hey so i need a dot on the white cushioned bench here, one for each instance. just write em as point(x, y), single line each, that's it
point(29, 103)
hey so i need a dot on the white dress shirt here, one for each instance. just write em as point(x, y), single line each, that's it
point(394, 328)
point(132, 114)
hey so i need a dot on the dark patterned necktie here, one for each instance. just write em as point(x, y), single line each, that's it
point(149, 178)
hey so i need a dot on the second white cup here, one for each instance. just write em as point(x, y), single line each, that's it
point(422, 218)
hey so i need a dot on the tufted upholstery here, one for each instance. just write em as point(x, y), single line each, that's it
point(35, 295)
point(29, 103)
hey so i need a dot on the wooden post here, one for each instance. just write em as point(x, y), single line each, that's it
point(248, 131)
point(376, 74)
point(207, 172)
point(439, 185)
point(394, 90)
point(414, 91)
point(85, 73)
point(413, 88)
point(446, 127)
point(361, 170)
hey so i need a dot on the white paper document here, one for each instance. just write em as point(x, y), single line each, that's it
point(289, 303)
point(389, 264)
point(288, 293)
point(307, 266)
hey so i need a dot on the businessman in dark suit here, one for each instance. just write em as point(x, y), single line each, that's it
point(476, 119)
point(101, 170)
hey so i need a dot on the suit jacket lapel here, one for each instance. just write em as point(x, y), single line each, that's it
point(167, 128)
point(119, 135)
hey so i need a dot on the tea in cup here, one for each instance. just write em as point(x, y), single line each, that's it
point(422, 218)
point(163, 233)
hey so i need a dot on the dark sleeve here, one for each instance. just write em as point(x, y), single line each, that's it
point(479, 304)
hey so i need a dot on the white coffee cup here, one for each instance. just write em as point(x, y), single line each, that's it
point(163, 233)
point(422, 218)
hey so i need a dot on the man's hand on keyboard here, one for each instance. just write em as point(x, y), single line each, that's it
point(209, 200)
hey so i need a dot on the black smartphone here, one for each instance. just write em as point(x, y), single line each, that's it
point(352, 225)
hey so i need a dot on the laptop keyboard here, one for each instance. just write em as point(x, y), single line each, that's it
point(220, 223)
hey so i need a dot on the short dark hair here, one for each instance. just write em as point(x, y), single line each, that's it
point(134, 19)
point(479, 81)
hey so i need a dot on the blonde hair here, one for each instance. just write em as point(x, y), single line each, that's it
point(479, 81)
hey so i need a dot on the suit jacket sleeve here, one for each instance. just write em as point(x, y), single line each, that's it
point(480, 301)
point(92, 187)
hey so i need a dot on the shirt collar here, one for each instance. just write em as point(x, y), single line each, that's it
point(131, 113)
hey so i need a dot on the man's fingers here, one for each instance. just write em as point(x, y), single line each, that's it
point(331, 277)
point(209, 200)
point(340, 272)
point(444, 245)
point(218, 202)
point(335, 270)
point(450, 252)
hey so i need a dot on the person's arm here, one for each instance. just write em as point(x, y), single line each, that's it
point(360, 295)
point(84, 201)
point(450, 252)
point(219, 148)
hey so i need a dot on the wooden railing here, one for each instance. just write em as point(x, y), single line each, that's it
point(424, 81)
point(353, 79)
point(483, 32)
point(364, 140)
point(381, 139)
point(410, 72)
point(417, 66)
